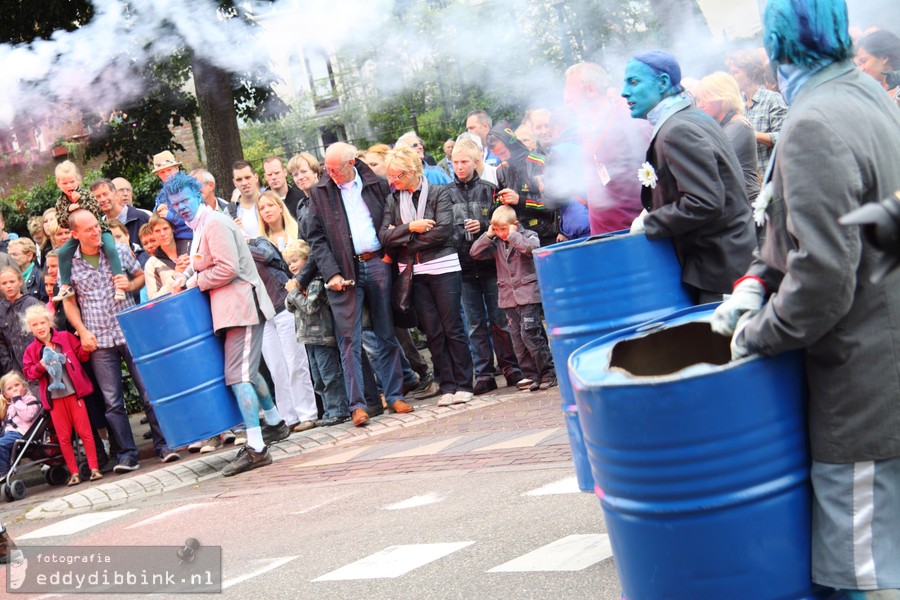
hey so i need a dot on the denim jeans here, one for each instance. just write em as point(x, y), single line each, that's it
point(6, 443)
point(373, 285)
point(370, 343)
point(108, 371)
point(328, 380)
point(487, 324)
point(437, 302)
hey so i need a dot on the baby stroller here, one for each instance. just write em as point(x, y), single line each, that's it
point(41, 447)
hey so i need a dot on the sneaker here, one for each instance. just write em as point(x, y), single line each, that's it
point(304, 426)
point(461, 397)
point(168, 456)
point(65, 291)
point(424, 380)
point(228, 437)
point(535, 386)
point(524, 383)
point(211, 445)
point(196, 446)
point(275, 433)
point(240, 438)
point(331, 421)
point(548, 382)
point(247, 459)
point(126, 464)
point(514, 379)
point(446, 400)
point(484, 386)
point(431, 390)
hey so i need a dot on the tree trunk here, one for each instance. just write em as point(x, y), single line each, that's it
point(218, 118)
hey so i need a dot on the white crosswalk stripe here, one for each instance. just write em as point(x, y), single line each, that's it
point(415, 502)
point(571, 553)
point(569, 485)
point(393, 561)
point(75, 524)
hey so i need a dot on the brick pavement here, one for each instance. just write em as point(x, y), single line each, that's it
point(504, 410)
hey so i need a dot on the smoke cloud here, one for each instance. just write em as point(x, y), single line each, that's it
point(501, 46)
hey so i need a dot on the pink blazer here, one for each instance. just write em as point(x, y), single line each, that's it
point(225, 269)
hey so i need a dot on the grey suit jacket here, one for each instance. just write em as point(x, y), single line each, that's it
point(839, 148)
point(700, 200)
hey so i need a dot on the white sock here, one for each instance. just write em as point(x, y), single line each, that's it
point(254, 439)
point(272, 416)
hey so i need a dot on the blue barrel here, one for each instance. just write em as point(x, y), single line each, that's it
point(701, 464)
point(593, 286)
point(579, 451)
point(182, 364)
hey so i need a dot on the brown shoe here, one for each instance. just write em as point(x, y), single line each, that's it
point(400, 407)
point(360, 417)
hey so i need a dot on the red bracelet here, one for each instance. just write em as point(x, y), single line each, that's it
point(753, 277)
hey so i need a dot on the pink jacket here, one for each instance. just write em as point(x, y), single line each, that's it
point(225, 269)
point(20, 415)
point(75, 355)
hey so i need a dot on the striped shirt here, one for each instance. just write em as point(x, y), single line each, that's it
point(438, 266)
point(96, 295)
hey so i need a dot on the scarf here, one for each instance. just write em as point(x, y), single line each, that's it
point(407, 211)
point(792, 77)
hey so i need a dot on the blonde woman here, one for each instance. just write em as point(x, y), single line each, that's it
point(719, 96)
point(417, 229)
point(275, 222)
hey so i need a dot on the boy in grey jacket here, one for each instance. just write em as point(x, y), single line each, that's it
point(519, 295)
point(315, 329)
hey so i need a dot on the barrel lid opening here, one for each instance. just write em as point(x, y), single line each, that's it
point(669, 350)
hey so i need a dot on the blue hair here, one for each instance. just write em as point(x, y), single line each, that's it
point(181, 182)
point(806, 32)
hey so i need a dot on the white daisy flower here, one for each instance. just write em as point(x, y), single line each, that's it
point(647, 175)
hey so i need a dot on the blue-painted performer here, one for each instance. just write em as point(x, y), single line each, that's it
point(839, 148)
point(222, 265)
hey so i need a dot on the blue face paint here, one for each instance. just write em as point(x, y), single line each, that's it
point(186, 203)
point(643, 89)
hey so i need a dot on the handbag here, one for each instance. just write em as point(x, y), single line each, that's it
point(401, 295)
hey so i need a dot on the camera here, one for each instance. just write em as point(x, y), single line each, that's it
point(892, 78)
point(880, 223)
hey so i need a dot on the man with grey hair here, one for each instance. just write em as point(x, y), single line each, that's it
point(345, 213)
point(613, 147)
point(208, 190)
point(479, 123)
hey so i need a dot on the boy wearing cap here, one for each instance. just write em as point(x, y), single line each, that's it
point(692, 185)
point(164, 166)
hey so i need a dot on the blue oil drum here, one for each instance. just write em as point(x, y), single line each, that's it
point(701, 464)
point(182, 364)
point(579, 451)
point(593, 286)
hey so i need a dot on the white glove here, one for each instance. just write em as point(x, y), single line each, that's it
point(738, 349)
point(637, 226)
point(748, 295)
